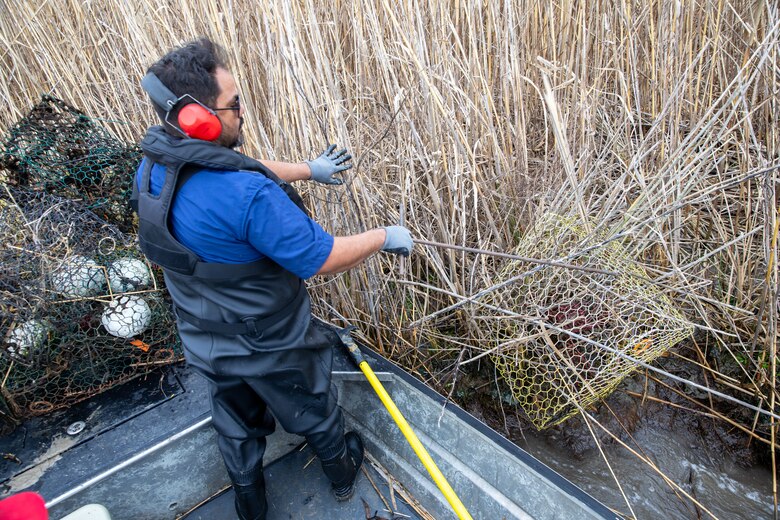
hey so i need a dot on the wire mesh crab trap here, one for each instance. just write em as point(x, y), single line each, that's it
point(58, 149)
point(569, 338)
point(80, 308)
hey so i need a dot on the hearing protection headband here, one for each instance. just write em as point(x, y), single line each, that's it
point(165, 99)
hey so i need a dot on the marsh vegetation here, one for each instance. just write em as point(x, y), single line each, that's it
point(653, 125)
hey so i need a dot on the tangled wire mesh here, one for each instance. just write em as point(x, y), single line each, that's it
point(81, 310)
point(58, 149)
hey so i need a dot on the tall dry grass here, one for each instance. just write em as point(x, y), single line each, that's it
point(657, 121)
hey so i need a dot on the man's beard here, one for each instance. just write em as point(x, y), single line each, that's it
point(240, 138)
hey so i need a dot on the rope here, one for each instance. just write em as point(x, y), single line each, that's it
point(583, 338)
point(552, 263)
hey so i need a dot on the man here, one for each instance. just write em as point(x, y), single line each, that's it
point(235, 244)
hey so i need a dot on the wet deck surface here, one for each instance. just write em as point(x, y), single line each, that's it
point(130, 417)
point(298, 490)
point(182, 475)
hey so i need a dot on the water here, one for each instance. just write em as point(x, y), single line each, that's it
point(703, 471)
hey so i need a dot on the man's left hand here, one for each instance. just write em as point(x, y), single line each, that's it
point(329, 163)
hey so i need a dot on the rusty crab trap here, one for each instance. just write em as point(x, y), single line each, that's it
point(80, 308)
point(58, 149)
point(550, 350)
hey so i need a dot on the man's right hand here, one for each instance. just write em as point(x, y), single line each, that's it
point(398, 240)
point(328, 164)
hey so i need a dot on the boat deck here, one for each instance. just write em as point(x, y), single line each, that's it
point(297, 489)
point(148, 451)
point(129, 418)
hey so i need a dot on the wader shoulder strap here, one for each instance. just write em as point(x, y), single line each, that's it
point(134, 197)
point(160, 147)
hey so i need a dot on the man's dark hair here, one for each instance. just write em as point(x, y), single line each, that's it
point(190, 69)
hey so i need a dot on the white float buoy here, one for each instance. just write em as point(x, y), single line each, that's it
point(78, 276)
point(126, 316)
point(28, 336)
point(128, 274)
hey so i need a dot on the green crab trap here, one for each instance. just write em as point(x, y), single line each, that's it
point(58, 149)
point(81, 310)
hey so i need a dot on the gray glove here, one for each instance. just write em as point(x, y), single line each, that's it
point(398, 240)
point(328, 164)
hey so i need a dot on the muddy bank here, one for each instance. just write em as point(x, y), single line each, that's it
point(712, 462)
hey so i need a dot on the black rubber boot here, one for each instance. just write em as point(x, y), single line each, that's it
point(342, 471)
point(250, 501)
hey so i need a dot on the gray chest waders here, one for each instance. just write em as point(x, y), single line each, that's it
point(246, 328)
point(260, 305)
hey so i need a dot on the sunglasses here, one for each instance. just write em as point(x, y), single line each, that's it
point(236, 106)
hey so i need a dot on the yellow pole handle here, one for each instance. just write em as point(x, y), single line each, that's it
point(417, 446)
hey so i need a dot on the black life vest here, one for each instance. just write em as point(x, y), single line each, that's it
point(259, 305)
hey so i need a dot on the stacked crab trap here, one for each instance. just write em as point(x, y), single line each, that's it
point(81, 310)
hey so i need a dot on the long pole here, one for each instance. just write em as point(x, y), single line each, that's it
point(399, 419)
point(513, 257)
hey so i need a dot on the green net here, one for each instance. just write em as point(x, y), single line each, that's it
point(552, 356)
point(58, 149)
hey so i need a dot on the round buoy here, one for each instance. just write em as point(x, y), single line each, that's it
point(126, 316)
point(28, 336)
point(128, 274)
point(78, 276)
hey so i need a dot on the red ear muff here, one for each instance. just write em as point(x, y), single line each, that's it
point(199, 123)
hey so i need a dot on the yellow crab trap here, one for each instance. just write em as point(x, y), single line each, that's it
point(550, 349)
